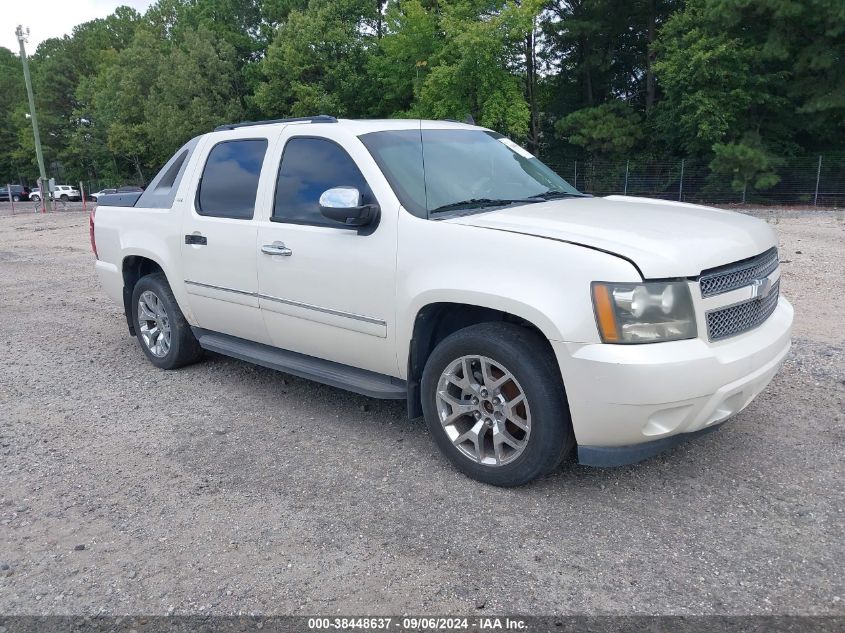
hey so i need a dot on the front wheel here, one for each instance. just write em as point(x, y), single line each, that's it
point(164, 334)
point(64, 198)
point(35, 198)
point(16, 198)
point(494, 401)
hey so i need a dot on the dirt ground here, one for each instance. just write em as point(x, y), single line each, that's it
point(228, 488)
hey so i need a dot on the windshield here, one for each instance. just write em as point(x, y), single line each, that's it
point(436, 172)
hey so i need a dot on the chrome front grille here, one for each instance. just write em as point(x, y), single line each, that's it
point(726, 278)
point(741, 317)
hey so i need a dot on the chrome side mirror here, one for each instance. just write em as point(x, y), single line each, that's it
point(346, 205)
point(341, 198)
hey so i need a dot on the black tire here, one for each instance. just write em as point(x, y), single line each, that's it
point(35, 198)
point(184, 348)
point(16, 198)
point(529, 359)
point(64, 197)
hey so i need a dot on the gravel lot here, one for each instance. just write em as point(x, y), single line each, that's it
point(228, 488)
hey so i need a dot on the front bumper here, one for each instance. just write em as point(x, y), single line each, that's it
point(629, 402)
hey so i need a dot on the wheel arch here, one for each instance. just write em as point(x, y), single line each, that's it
point(435, 321)
point(133, 268)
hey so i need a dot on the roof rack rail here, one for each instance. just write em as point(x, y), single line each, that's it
point(320, 118)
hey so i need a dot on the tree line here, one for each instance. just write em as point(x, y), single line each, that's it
point(738, 85)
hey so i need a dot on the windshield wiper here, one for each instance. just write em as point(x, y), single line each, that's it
point(478, 203)
point(553, 194)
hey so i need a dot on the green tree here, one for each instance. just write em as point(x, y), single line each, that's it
point(401, 62)
point(609, 130)
point(715, 88)
point(703, 78)
point(59, 66)
point(117, 99)
point(242, 24)
point(476, 71)
point(593, 52)
point(805, 39)
point(204, 67)
point(746, 163)
point(13, 167)
point(771, 68)
point(318, 61)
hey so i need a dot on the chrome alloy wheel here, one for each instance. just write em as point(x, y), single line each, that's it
point(483, 410)
point(154, 324)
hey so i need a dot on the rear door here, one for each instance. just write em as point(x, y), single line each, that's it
point(219, 230)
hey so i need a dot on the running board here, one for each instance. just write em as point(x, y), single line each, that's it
point(367, 383)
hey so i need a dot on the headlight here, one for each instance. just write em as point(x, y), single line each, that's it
point(643, 312)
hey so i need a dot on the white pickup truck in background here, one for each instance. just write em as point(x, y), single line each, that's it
point(441, 263)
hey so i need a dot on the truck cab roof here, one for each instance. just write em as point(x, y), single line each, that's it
point(355, 126)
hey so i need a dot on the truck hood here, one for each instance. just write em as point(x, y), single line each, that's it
point(662, 238)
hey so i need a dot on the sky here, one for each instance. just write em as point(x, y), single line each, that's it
point(53, 18)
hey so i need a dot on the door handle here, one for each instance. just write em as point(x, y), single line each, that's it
point(276, 249)
point(196, 239)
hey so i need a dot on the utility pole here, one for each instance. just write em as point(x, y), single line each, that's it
point(627, 165)
point(22, 37)
point(681, 183)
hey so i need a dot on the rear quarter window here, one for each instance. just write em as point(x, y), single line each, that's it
point(161, 192)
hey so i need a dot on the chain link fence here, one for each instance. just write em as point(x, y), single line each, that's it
point(812, 180)
point(90, 186)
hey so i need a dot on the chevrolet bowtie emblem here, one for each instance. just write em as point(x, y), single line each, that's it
point(760, 288)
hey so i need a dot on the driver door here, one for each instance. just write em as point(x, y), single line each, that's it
point(325, 289)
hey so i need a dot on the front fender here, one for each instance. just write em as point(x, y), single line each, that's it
point(544, 281)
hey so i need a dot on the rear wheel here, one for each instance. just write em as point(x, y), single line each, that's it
point(164, 334)
point(35, 197)
point(495, 404)
point(64, 197)
point(16, 198)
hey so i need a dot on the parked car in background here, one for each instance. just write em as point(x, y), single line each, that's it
point(101, 192)
point(65, 193)
point(14, 192)
point(60, 192)
point(112, 190)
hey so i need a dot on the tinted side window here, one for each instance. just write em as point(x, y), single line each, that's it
point(229, 181)
point(310, 166)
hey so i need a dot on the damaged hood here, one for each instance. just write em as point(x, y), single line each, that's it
point(663, 238)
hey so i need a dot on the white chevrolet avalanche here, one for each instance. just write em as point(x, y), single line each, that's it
point(442, 264)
